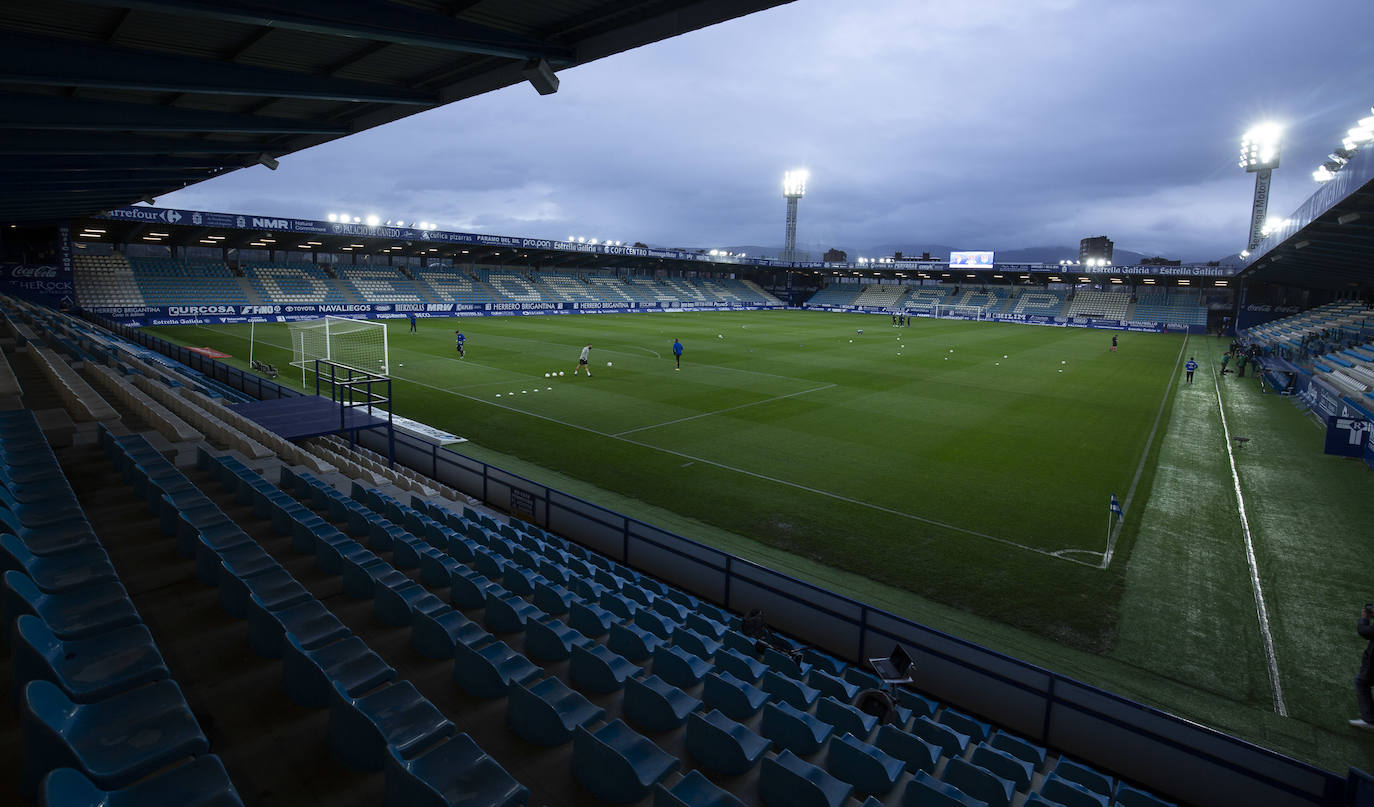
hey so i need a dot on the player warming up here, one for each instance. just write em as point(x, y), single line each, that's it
point(1113, 344)
point(677, 354)
point(582, 361)
point(459, 341)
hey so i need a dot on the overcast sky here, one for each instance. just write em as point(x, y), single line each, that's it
point(977, 124)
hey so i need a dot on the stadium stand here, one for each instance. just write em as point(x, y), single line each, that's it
point(106, 280)
point(323, 557)
point(1174, 307)
point(1037, 302)
point(880, 296)
point(1098, 304)
point(381, 284)
point(168, 282)
point(300, 283)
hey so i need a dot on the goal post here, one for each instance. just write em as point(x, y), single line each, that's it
point(360, 344)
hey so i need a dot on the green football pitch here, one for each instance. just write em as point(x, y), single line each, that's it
point(971, 463)
point(962, 489)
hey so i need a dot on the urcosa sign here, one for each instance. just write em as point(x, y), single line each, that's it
point(200, 310)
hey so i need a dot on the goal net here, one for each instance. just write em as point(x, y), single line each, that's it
point(355, 343)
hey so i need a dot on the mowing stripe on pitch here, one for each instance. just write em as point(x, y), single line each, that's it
point(1144, 455)
point(1270, 657)
point(722, 411)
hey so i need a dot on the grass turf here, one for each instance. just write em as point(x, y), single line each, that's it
point(918, 457)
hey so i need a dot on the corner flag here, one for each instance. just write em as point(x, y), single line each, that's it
point(1116, 509)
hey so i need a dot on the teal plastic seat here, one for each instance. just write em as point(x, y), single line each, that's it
point(395, 715)
point(832, 685)
point(551, 640)
point(976, 730)
point(73, 614)
point(1085, 776)
point(435, 634)
point(1017, 770)
point(486, 667)
point(1019, 748)
point(654, 705)
point(722, 745)
point(309, 675)
point(595, 668)
point(454, 771)
point(793, 730)
point(925, 790)
point(590, 620)
point(739, 700)
point(53, 574)
point(1127, 796)
point(551, 597)
point(547, 712)
point(678, 667)
point(694, 790)
point(979, 782)
point(871, 771)
point(789, 690)
point(115, 742)
point(89, 669)
point(1069, 793)
point(791, 782)
point(203, 782)
point(845, 718)
point(916, 754)
point(507, 613)
point(468, 589)
point(396, 605)
point(745, 668)
point(695, 643)
point(632, 642)
point(618, 765)
point(950, 742)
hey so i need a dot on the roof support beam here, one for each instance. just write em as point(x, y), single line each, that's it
point(92, 165)
point(377, 20)
point(13, 142)
point(51, 112)
point(34, 61)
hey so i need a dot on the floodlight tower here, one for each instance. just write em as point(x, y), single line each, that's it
point(1259, 155)
point(793, 188)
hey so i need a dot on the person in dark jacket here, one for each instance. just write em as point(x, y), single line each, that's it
point(1365, 678)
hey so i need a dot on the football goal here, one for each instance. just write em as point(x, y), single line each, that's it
point(355, 343)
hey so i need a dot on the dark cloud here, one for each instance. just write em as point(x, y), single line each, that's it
point(1000, 124)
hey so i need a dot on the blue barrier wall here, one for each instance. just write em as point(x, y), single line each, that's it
point(1169, 755)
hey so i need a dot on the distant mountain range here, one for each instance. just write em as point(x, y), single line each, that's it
point(1049, 255)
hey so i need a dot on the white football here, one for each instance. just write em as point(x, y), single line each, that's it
point(560, 372)
point(546, 375)
point(608, 364)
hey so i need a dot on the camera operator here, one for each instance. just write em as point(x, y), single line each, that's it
point(1365, 678)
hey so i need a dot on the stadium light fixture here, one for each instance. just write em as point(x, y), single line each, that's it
point(1245, 253)
point(334, 217)
point(794, 183)
point(373, 220)
point(1259, 147)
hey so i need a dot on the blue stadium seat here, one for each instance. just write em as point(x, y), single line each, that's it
point(595, 668)
point(1068, 793)
point(1017, 770)
point(655, 623)
point(634, 643)
point(785, 664)
point(919, 705)
point(976, 730)
point(435, 634)
point(1019, 748)
point(794, 730)
point(979, 782)
point(275, 589)
point(845, 718)
point(309, 675)
point(115, 742)
point(618, 604)
point(694, 790)
point(455, 771)
point(551, 598)
point(202, 782)
point(832, 685)
point(871, 771)
point(590, 620)
point(56, 573)
point(739, 700)
point(695, 643)
point(950, 742)
point(721, 745)
point(468, 589)
point(549, 639)
point(653, 705)
point(73, 614)
point(789, 690)
point(547, 712)
point(1127, 796)
point(917, 754)
point(705, 625)
point(745, 668)
point(507, 613)
point(790, 782)
point(925, 790)
point(310, 623)
point(397, 715)
point(1085, 776)
point(485, 668)
point(823, 661)
point(678, 667)
point(618, 765)
point(87, 670)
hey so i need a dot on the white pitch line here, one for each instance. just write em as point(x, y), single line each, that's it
point(722, 411)
point(1270, 657)
point(828, 494)
point(1144, 455)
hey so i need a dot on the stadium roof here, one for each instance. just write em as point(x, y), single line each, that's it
point(1328, 242)
point(107, 102)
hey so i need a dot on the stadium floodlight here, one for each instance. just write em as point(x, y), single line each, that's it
point(1323, 174)
point(373, 220)
point(333, 217)
point(1245, 253)
point(1259, 155)
point(793, 188)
